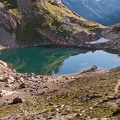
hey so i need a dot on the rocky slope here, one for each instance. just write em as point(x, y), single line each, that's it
point(112, 33)
point(8, 24)
point(44, 22)
point(89, 95)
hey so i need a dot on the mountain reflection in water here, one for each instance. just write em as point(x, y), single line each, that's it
point(57, 61)
point(39, 60)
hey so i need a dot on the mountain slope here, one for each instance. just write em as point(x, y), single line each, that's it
point(103, 11)
point(48, 22)
point(45, 22)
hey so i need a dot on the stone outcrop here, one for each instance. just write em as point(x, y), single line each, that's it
point(5, 93)
point(56, 2)
point(7, 20)
point(92, 69)
point(8, 24)
point(112, 33)
point(17, 100)
point(4, 64)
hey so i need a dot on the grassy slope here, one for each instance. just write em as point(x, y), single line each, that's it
point(13, 8)
point(51, 11)
point(57, 13)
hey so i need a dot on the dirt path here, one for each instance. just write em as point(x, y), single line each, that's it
point(117, 87)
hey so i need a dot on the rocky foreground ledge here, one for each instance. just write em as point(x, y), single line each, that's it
point(88, 95)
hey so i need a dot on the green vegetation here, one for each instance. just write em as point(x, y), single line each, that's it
point(15, 12)
point(27, 35)
point(52, 16)
point(13, 7)
point(60, 15)
point(11, 4)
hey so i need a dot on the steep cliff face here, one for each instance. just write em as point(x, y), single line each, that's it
point(43, 22)
point(7, 39)
point(7, 19)
point(8, 24)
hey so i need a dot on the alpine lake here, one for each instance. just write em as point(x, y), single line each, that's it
point(57, 61)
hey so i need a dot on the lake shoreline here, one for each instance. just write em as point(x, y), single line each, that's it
point(40, 93)
point(57, 61)
point(88, 46)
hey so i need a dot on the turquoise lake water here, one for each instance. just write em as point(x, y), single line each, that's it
point(57, 61)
